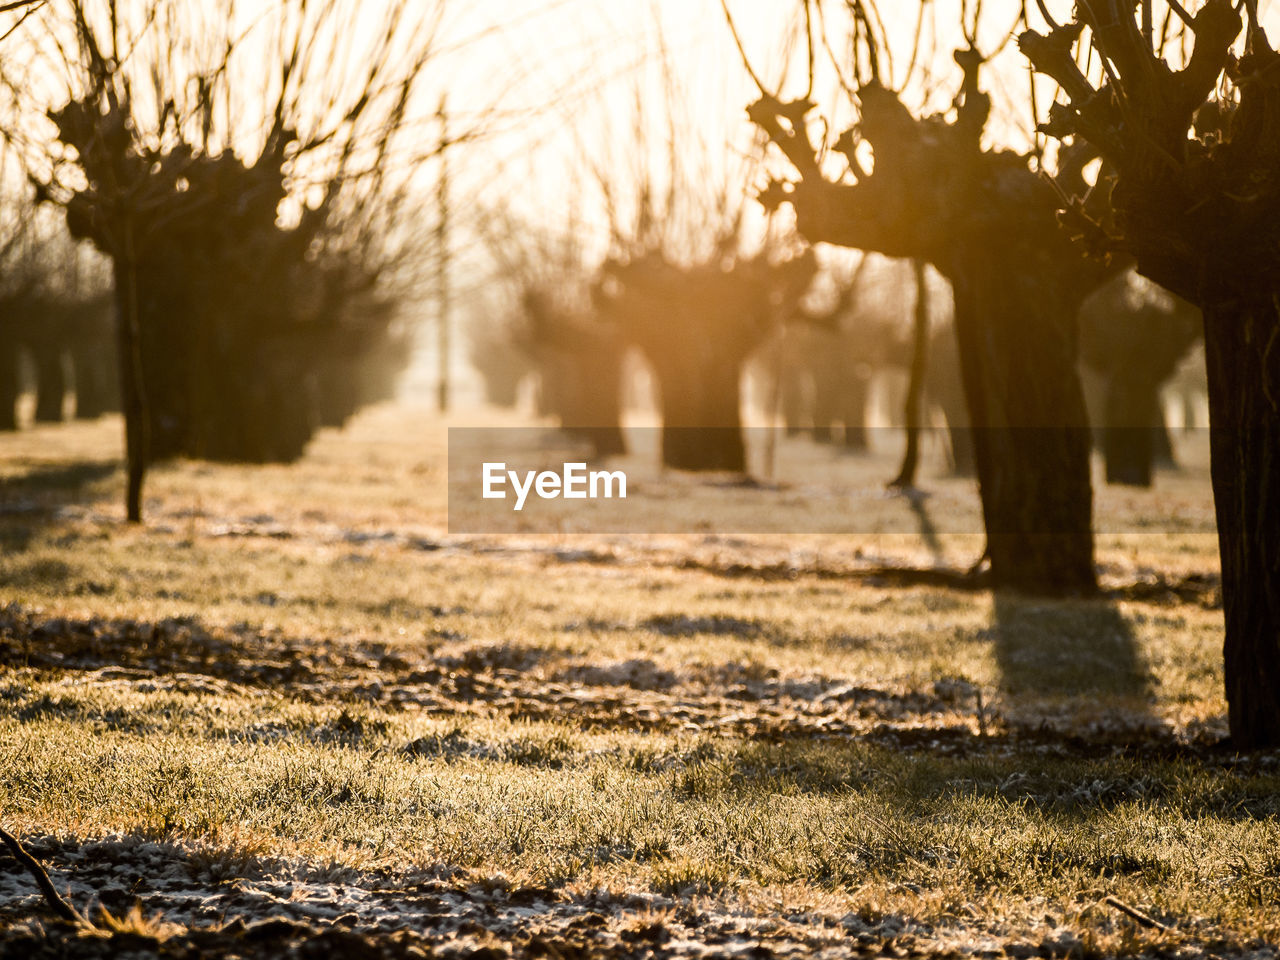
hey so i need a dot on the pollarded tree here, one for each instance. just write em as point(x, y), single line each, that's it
point(555, 330)
point(55, 310)
point(1196, 202)
point(1135, 340)
point(244, 177)
point(986, 221)
point(697, 323)
point(825, 360)
point(580, 360)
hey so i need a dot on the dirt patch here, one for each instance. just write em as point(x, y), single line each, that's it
point(199, 905)
point(683, 625)
point(737, 700)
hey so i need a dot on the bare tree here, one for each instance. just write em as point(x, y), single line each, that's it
point(1195, 200)
point(246, 174)
point(1135, 339)
point(986, 220)
point(554, 327)
point(697, 323)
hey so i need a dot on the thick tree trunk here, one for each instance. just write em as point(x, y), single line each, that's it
point(600, 384)
point(1162, 441)
point(1244, 390)
point(582, 388)
point(9, 383)
point(51, 382)
point(1017, 347)
point(701, 420)
point(963, 459)
point(1129, 438)
point(945, 388)
point(94, 377)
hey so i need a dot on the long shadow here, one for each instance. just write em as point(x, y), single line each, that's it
point(1076, 653)
point(917, 500)
point(30, 501)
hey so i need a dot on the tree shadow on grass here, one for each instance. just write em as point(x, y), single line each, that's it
point(1071, 659)
point(30, 500)
point(917, 501)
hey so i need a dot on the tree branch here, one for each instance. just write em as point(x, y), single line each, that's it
point(59, 906)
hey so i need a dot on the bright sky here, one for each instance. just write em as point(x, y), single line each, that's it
point(553, 81)
point(588, 57)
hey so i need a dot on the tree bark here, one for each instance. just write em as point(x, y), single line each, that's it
point(1017, 348)
point(1244, 386)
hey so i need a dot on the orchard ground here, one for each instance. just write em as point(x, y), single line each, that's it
point(294, 715)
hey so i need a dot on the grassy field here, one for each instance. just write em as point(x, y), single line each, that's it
point(294, 715)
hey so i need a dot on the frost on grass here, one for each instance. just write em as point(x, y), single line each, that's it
point(328, 728)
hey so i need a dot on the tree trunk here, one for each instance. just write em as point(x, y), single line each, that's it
point(701, 420)
point(51, 381)
point(988, 224)
point(1129, 437)
point(1017, 348)
point(582, 388)
point(853, 412)
point(906, 478)
point(132, 385)
point(1244, 384)
point(598, 418)
point(1162, 441)
point(9, 383)
point(946, 391)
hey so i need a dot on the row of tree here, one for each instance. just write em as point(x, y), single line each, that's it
point(821, 367)
point(258, 259)
point(1157, 154)
point(1187, 191)
point(56, 326)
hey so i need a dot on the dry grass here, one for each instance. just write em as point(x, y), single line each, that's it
point(301, 663)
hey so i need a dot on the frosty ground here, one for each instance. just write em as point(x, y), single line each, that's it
point(294, 715)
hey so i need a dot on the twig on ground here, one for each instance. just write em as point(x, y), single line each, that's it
point(1136, 914)
point(59, 906)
